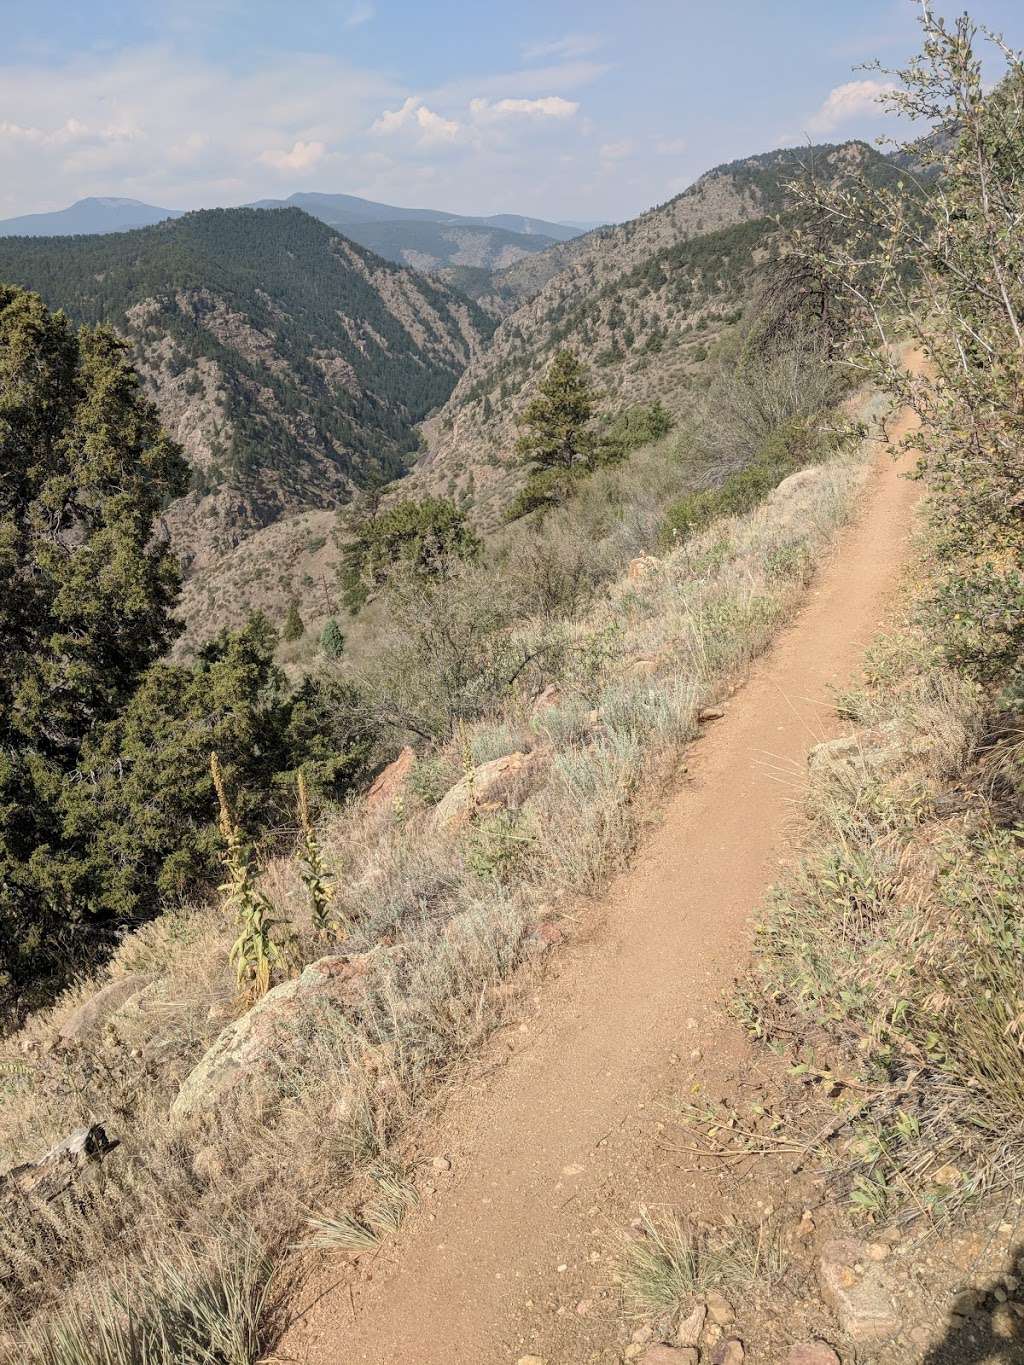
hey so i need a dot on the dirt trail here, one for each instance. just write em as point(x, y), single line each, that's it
point(548, 1142)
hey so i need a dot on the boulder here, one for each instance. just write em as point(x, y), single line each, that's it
point(859, 1291)
point(247, 1056)
point(503, 782)
point(88, 1019)
point(642, 666)
point(795, 483)
point(392, 782)
point(551, 696)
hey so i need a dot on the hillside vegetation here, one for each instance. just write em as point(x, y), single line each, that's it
point(642, 303)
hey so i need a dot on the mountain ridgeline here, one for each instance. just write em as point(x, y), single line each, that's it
point(295, 366)
point(292, 364)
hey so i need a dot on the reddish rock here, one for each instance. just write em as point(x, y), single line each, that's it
point(728, 1352)
point(392, 782)
point(641, 568)
point(858, 1290)
point(545, 936)
point(812, 1353)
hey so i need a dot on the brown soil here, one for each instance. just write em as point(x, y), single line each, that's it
point(560, 1141)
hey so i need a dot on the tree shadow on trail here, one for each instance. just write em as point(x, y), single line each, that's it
point(993, 1333)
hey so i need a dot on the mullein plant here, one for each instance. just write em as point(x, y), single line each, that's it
point(319, 886)
point(255, 953)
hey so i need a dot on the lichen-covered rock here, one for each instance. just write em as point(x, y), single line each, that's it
point(246, 1059)
point(503, 782)
point(88, 1018)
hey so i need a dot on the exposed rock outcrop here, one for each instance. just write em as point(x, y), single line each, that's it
point(503, 782)
point(246, 1062)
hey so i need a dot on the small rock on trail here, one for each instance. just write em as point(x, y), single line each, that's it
point(859, 1291)
point(689, 1329)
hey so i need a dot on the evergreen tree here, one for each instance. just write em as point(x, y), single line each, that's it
point(559, 443)
point(294, 627)
point(332, 639)
point(88, 592)
point(427, 535)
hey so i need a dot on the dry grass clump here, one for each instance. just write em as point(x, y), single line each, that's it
point(895, 953)
point(445, 919)
point(664, 1262)
point(193, 1309)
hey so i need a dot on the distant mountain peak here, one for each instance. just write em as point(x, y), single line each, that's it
point(86, 217)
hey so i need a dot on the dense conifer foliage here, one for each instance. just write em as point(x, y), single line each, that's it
point(106, 807)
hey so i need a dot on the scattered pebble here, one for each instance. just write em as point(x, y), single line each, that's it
point(689, 1329)
point(720, 1310)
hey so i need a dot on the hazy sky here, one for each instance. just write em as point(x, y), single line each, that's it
point(560, 108)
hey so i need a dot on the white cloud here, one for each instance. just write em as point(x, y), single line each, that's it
point(150, 123)
point(429, 126)
point(548, 106)
point(572, 45)
point(855, 99)
point(173, 128)
point(303, 156)
point(360, 13)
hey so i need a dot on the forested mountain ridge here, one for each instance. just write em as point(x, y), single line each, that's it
point(291, 364)
point(639, 302)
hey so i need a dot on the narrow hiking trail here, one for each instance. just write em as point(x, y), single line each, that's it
point(557, 1139)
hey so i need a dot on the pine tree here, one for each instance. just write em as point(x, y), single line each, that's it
point(88, 590)
point(332, 639)
point(428, 535)
point(294, 627)
point(559, 443)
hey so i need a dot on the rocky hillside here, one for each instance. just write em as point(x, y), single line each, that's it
point(641, 302)
point(291, 363)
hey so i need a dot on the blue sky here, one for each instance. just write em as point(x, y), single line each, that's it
point(561, 108)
